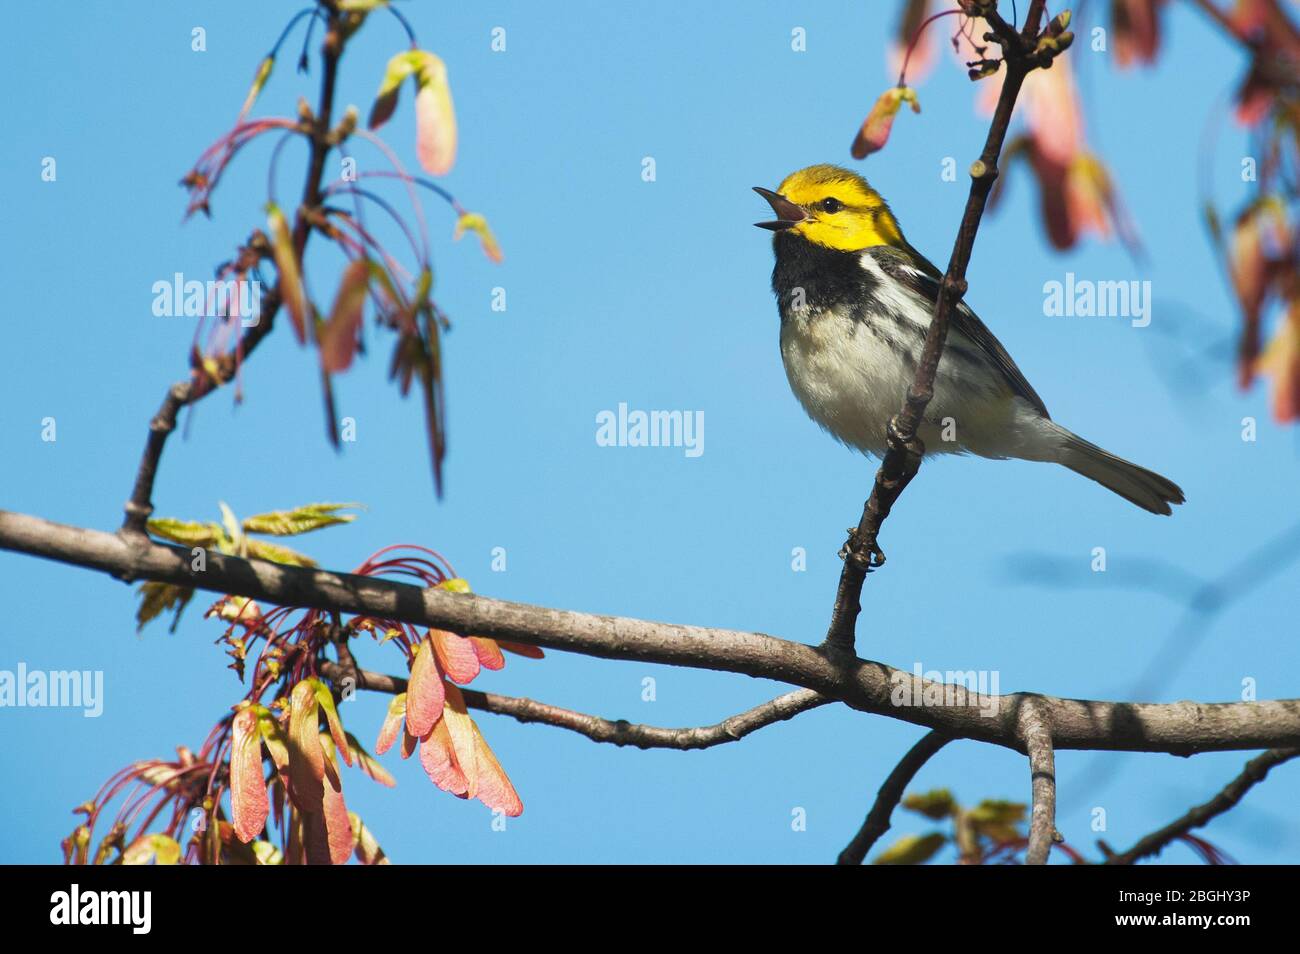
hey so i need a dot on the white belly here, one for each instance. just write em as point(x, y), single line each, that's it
point(846, 380)
point(851, 383)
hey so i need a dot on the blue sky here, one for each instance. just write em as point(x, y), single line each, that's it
point(654, 294)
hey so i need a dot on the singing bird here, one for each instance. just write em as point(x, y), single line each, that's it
point(856, 301)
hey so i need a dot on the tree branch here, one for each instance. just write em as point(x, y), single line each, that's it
point(615, 731)
point(861, 552)
point(1223, 21)
point(1036, 733)
point(1181, 728)
point(139, 507)
point(890, 794)
point(1256, 771)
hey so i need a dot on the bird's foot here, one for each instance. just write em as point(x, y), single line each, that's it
point(913, 444)
point(866, 554)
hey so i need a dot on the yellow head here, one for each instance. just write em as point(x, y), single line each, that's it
point(832, 207)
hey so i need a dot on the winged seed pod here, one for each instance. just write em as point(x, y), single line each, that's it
point(248, 800)
point(338, 336)
point(435, 116)
point(425, 693)
point(392, 724)
point(326, 701)
point(286, 264)
point(306, 757)
point(876, 127)
point(476, 223)
point(456, 656)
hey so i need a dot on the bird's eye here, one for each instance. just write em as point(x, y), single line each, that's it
point(831, 205)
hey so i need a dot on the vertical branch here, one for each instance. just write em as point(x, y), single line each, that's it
point(1036, 734)
point(861, 552)
point(139, 507)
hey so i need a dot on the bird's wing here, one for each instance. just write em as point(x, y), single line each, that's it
point(917, 272)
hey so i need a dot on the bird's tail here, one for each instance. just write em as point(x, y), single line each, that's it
point(1135, 484)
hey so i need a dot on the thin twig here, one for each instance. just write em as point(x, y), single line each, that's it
point(862, 553)
point(139, 507)
point(615, 731)
point(1256, 771)
point(890, 794)
point(1221, 18)
point(1036, 733)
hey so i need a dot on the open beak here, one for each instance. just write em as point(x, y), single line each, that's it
point(787, 213)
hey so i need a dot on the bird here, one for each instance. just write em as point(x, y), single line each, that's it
point(856, 300)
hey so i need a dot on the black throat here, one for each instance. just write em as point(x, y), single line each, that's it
point(810, 278)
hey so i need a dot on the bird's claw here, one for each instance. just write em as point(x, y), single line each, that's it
point(866, 557)
point(913, 444)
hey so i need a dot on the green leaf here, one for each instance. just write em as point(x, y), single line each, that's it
point(285, 523)
point(996, 811)
point(157, 598)
point(264, 550)
point(935, 804)
point(912, 849)
point(997, 819)
point(189, 532)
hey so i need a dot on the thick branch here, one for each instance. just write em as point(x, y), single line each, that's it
point(890, 794)
point(903, 457)
point(1256, 771)
point(139, 507)
point(1036, 732)
point(1182, 728)
point(615, 731)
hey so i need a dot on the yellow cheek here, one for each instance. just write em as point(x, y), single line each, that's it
point(851, 234)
